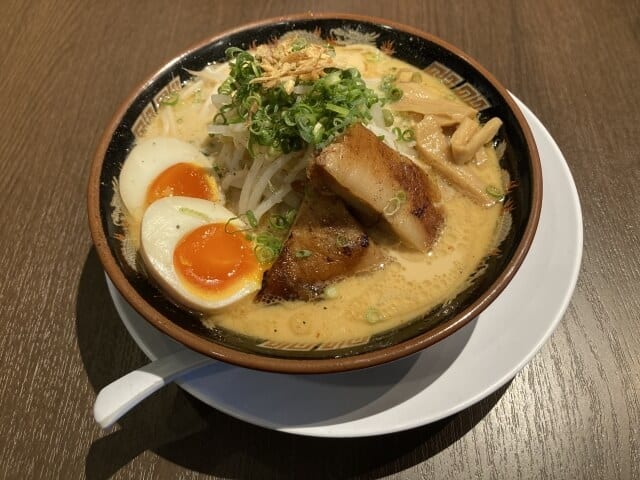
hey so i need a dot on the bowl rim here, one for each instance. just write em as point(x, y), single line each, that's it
point(310, 365)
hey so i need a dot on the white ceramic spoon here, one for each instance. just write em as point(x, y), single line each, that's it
point(120, 396)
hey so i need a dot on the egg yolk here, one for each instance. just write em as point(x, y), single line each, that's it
point(212, 260)
point(184, 179)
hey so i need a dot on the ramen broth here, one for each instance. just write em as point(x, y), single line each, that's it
point(407, 287)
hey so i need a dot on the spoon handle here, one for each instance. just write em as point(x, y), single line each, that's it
point(123, 394)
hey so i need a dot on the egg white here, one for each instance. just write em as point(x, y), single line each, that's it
point(148, 159)
point(165, 222)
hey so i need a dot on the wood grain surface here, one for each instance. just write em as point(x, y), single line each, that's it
point(573, 412)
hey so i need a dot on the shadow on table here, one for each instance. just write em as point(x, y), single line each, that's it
point(200, 438)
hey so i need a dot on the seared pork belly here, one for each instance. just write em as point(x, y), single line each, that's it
point(324, 245)
point(381, 183)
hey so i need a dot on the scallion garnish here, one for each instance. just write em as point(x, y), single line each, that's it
point(372, 56)
point(194, 213)
point(408, 135)
point(388, 87)
point(170, 99)
point(404, 135)
point(342, 241)
point(395, 94)
point(394, 203)
point(197, 96)
point(268, 241)
point(495, 193)
point(330, 292)
point(282, 222)
point(299, 44)
point(303, 253)
point(268, 247)
point(265, 254)
point(251, 218)
point(339, 110)
point(387, 117)
point(248, 217)
point(373, 315)
point(286, 120)
point(290, 216)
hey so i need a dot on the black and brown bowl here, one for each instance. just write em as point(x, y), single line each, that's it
point(464, 75)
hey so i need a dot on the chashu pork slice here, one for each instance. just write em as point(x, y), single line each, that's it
point(325, 244)
point(380, 182)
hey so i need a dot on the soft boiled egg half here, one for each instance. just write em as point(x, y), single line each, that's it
point(197, 251)
point(161, 167)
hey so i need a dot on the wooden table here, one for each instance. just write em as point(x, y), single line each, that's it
point(573, 412)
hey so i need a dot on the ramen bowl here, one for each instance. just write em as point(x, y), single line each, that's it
point(469, 80)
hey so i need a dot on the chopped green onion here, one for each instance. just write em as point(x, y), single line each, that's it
point(298, 44)
point(392, 207)
point(387, 117)
point(265, 254)
point(330, 292)
point(339, 110)
point(282, 222)
point(403, 135)
point(279, 121)
point(394, 203)
point(495, 193)
point(194, 213)
point(342, 241)
point(170, 99)
point(372, 56)
point(373, 315)
point(197, 96)
point(388, 87)
point(268, 239)
point(278, 222)
point(250, 219)
point(318, 130)
point(227, 226)
point(290, 216)
point(303, 253)
point(395, 94)
point(253, 221)
point(408, 135)
point(387, 83)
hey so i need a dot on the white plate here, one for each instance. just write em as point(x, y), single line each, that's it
point(433, 384)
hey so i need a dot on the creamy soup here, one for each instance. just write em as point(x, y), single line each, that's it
point(412, 281)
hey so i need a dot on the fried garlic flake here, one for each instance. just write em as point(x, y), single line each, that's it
point(291, 59)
